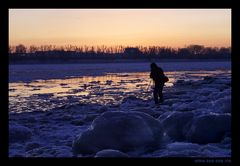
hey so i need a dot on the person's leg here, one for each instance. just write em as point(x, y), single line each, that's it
point(155, 95)
point(160, 93)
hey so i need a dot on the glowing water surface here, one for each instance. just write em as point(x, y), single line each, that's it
point(110, 89)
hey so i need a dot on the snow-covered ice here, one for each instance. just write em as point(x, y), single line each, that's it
point(111, 153)
point(125, 131)
point(49, 112)
point(28, 72)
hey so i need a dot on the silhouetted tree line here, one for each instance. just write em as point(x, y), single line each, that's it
point(70, 52)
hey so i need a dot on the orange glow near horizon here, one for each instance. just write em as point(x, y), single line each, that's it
point(127, 27)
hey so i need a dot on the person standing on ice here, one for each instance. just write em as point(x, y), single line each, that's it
point(159, 79)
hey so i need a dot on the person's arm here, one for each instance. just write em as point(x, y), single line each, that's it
point(161, 71)
point(151, 76)
point(161, 74)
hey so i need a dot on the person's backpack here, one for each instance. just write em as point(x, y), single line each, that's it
point(165, 79)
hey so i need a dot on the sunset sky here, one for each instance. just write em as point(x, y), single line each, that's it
point(132, 27)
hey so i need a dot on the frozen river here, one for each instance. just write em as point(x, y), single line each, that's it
point(110, 89)
point(28, 73)
point(49, 105)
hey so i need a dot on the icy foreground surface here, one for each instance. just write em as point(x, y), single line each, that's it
point(47, 117)
point(122, 130)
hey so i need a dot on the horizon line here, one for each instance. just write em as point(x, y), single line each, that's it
point(109, 46)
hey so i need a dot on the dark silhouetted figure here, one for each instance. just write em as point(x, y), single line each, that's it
point(159, 79)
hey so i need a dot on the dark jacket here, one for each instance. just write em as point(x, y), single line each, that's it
point(157, 75)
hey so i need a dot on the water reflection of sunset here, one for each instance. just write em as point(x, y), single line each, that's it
point(109, 89)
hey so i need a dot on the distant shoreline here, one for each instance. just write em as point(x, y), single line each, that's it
point(117, 61)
